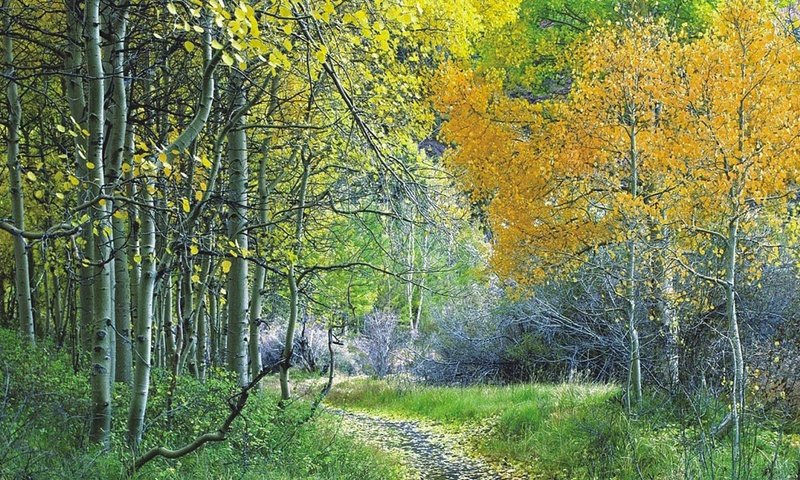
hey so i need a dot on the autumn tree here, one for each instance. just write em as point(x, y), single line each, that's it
point(586, 168)
point(735, 152)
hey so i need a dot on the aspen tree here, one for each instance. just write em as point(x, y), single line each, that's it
point(21, 270)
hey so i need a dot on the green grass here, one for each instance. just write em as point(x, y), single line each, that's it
point(43, 427)
point(572, 431)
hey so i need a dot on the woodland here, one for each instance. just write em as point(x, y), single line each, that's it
point(400, 239)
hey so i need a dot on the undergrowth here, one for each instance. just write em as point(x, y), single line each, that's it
point(43, 406)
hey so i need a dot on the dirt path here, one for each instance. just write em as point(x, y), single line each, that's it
point(431, 455)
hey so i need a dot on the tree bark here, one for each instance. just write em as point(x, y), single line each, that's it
point(202, 322)
point(115, 150)
point(76, 98)
point(286, 359)
point(237, 222)
point(665, 310)
point(21, 270)
point(144, 324)
point(264, 190)
point(634, 397)
point(100, 426)
point(737, 391)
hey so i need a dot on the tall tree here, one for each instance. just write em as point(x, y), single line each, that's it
point(101, 253)
point(21, 270)
point(237, 222)
point(737, 146)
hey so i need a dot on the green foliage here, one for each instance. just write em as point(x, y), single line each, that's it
point(533, 52)
point(577, 431)
point(42, 422)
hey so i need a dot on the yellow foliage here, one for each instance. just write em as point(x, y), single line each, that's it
point(653, 130)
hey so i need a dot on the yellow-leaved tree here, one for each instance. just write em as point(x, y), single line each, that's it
point(698, 140)
point(736, 102)
point(567, 176)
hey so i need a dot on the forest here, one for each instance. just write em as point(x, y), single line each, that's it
point(400, 239)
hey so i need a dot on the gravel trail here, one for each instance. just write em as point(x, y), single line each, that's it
point(429, 455)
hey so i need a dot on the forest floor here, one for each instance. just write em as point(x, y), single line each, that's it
point(427, 451)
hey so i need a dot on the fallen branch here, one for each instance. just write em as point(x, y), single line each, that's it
point(236, 403)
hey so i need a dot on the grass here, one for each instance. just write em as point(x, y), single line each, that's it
point(574, 431)
point(43, 406)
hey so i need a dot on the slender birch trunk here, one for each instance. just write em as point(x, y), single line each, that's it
point(262, 206)
point(294, 299)
point(202, 321)
point(410, 260)
point(737, 392)
point(421, 288)
point(21, 270)
point(144, 324)
point(132, 245)
point(115, 152)
point(76, 98)
point(665, 312)
point(237, 222)
point(634, 396)
point(100, 427)
point(214, 325)
point(189, 311)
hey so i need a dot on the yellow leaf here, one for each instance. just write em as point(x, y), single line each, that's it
point(194, 249)
point(189, 46)
point(383, 40)
point(322, 54)
point(227, 59)
point(361, 16)
point(171, 8)
point(90, 165)
point(196, 278)
point(31, 176)
point(185, 205)
point(226, 266)
point(327, 10)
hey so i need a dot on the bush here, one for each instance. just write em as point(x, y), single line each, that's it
point(380, 343)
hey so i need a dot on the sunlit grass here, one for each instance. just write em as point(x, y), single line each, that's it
point(568, 431)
